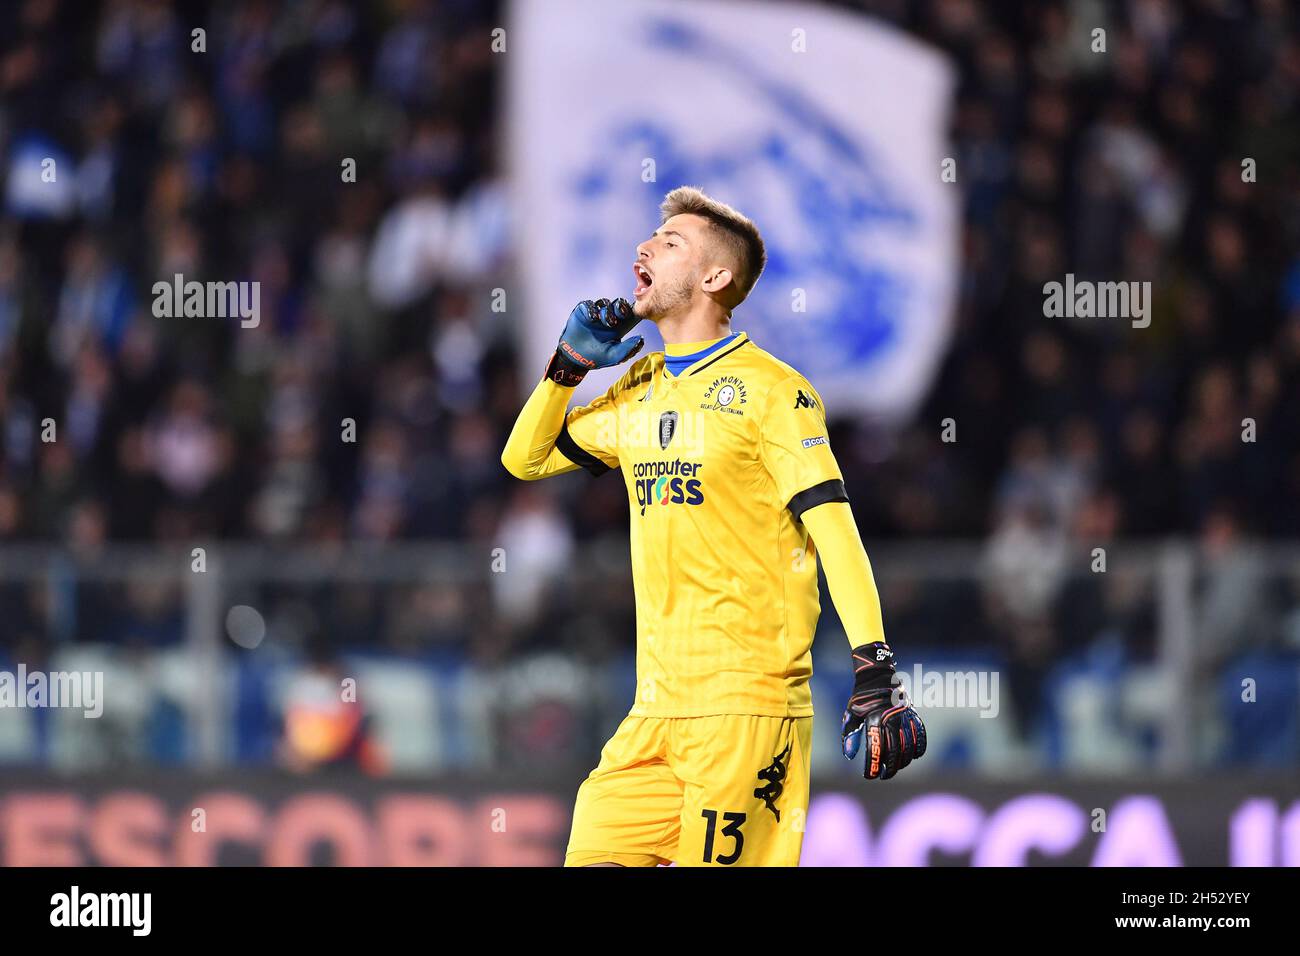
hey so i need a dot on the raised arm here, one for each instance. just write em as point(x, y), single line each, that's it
point(530, 452)
point(540, 444)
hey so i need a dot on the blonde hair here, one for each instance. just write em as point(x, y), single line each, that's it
point(737, 233)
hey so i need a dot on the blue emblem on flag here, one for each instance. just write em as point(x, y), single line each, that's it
point(825, 202)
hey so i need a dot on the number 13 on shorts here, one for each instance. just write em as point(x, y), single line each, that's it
point(722, 790)
point(746, 802)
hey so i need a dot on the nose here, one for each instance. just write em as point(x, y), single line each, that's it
point(643, 250)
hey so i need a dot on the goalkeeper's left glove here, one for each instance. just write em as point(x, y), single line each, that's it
point(880, 709)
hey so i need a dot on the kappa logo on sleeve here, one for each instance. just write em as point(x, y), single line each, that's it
point(803, 400)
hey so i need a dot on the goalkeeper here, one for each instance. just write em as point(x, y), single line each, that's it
point(734, 494)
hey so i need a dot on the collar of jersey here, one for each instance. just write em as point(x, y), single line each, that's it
point(711, 353)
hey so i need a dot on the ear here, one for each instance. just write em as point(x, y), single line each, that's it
point(716, 280)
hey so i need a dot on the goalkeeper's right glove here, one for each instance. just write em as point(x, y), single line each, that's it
point(591, 339)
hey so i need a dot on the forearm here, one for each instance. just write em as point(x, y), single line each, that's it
point(848, 571)
point(530, 452)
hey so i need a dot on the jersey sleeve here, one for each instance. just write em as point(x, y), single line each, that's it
point(589, 437)
point(795, 447)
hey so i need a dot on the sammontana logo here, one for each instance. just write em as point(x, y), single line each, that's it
point(726, 394)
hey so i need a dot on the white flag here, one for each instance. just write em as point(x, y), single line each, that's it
point(827, 128)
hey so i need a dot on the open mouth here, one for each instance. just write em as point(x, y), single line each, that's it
point(643, 280)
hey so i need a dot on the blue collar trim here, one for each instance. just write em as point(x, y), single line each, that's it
point(680, 363)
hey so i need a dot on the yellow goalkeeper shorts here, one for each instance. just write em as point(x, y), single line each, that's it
point(730, 790)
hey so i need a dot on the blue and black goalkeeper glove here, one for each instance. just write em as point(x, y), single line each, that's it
point(879, 709)
point(592, 339)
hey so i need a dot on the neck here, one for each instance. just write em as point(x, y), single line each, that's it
point(703, 323)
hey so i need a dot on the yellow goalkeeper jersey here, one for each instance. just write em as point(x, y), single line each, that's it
point(720, 461)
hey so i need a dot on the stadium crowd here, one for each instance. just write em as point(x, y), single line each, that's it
point(375, 295)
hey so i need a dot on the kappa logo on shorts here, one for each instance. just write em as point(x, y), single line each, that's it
point(774, 774)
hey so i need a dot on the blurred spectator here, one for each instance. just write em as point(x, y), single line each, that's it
point(325, 725)
point(535, 548)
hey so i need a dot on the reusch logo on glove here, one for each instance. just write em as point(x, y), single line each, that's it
point(573, 354)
